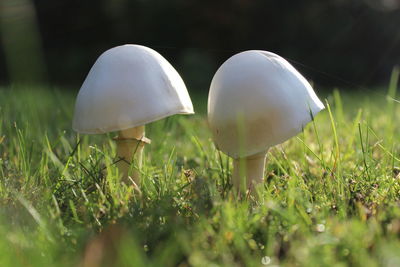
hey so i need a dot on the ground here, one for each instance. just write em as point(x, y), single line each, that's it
point(331, 195)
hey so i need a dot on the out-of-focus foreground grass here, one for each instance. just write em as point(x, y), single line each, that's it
point(331, 195)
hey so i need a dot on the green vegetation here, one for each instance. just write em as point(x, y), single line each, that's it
point(331, 196)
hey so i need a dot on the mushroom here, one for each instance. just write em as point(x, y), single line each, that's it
point(257, 100)
point(128, 87)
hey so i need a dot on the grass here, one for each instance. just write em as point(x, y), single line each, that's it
point(331, 195)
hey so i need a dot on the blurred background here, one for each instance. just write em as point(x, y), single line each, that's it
point(344, 43)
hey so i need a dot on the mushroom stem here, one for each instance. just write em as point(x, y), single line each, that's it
point(248, 171)
point(130, 143)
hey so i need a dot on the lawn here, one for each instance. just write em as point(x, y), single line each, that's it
point(331, 195)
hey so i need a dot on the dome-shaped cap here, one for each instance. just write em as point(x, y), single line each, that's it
point(129, 86)
point(257, 100)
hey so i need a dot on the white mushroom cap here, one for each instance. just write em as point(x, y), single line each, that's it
point(257, 100)
point(129, 86)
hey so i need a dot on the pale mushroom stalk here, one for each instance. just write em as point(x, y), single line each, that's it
point(248, 171)
point(130, 144)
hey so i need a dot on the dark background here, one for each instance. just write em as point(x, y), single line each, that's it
point(345, 43)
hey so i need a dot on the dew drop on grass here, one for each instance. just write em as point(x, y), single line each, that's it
point(320, 228)
point(266, 260)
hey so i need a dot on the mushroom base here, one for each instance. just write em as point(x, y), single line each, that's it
point(130, 145)
point(248, 172)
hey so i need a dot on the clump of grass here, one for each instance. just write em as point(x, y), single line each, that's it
point(331, 195)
